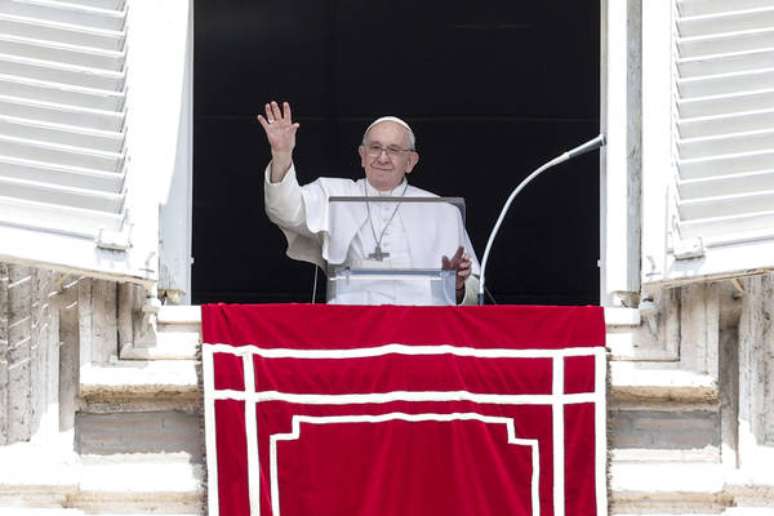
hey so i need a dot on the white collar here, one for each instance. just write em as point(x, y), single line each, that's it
point(395, 192)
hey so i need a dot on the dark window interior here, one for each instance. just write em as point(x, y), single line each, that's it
point(492, 89)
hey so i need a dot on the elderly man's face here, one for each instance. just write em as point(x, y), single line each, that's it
point(385, 156)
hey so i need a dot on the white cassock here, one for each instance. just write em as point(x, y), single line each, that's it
point(415, 236)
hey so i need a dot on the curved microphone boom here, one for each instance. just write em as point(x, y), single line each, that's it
point(589, 146)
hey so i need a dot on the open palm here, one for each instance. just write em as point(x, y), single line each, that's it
point(279, 127)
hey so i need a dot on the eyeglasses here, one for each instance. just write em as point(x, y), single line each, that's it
point(393, 151)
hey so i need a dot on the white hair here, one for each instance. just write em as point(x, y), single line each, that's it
point(412, 138)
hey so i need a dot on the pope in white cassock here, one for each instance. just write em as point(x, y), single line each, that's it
point(367, 235)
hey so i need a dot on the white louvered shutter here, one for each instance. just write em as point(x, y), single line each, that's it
point(64, 197)
point(708, 139)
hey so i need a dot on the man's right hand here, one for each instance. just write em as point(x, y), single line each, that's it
point(281, 135)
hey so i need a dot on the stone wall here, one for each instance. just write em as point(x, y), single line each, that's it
point(756, 362)
point(51, 324)
point(29, 352)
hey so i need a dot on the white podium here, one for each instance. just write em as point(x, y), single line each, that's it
point(372, 275)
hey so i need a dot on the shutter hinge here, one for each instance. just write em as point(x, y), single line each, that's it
point(689, 249)
point(113, 240)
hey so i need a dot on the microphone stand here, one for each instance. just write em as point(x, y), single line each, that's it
point(589, 146)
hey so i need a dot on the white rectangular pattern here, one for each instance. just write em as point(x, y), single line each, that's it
point(557, 399)
point(720, 207)
point(63, 163)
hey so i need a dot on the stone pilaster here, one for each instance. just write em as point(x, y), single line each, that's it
point(20, 349)
point(3, 354)
point(29, 352)
point(98, 321)
point(756, 358)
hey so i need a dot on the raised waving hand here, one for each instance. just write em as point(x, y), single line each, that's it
point(281, 134)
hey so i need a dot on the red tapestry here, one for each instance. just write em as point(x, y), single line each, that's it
point(404, 411)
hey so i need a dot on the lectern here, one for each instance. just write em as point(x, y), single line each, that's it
point(388, 250)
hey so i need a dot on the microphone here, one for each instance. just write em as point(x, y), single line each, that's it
point(589, 146)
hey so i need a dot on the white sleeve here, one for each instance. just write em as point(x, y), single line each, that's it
point(472, 283)
point(284, 202)
point(471, 291)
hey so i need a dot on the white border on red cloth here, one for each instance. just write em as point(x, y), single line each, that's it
point(557, 399)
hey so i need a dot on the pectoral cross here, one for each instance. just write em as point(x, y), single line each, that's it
point(378, 254)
